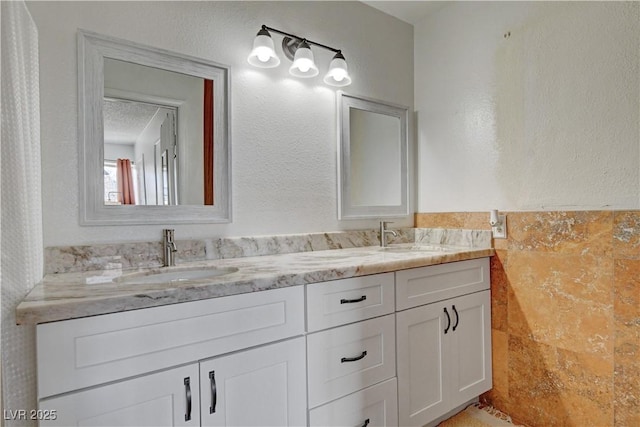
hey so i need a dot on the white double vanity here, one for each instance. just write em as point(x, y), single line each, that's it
point(402, 339)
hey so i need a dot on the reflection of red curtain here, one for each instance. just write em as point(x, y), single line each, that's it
point(208, 142)
point(125, 182)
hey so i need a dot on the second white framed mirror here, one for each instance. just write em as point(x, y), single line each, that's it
point(373, 169)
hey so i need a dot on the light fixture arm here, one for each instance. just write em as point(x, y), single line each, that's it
point(301, 39)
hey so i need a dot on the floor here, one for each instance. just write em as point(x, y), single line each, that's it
point(479, 415)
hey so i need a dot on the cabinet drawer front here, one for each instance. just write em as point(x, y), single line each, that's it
point(376, 404)
point(345, 301)
point(424, 285)
point(83, 352)
point(346, 359)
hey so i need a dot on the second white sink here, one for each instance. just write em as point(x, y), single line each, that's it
point(404, 248)
point(176, 276)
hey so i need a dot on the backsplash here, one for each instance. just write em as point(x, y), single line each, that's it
point(63, 259)
point(66, 259)
point(453, 237)
point(565, 315)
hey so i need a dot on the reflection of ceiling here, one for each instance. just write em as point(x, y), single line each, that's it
point(124, 121)
point(408, 11)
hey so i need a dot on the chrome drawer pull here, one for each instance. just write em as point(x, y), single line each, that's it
point(351, 301)
point(353, 359)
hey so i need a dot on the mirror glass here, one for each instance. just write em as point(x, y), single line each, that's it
point(373, 146)
point(154, 127)
point(155, 119)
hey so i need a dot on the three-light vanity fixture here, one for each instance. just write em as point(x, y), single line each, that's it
point(297, 49)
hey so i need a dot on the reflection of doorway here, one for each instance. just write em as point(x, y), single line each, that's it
point(165, 163)
point(139, 174)
point(131, 130)
point(169, 159)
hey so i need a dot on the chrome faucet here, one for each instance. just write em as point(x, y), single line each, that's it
point(169, 248)
point(384, 231)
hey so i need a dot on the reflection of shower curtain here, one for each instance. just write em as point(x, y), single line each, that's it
point(126, 194)
point(21, 251)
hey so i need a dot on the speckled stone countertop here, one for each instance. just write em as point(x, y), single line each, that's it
point(80, 294)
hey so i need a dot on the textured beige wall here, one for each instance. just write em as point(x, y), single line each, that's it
point(528, 106)
point(283, 129)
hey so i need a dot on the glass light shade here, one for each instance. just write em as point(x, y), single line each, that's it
point(263, 54)
point(303, 64)
point(338, 74)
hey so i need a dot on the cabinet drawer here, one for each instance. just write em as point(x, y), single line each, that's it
point(424, 285)
point(345, 301)
point(346, 359)
point(79, 353)
point(373, 406)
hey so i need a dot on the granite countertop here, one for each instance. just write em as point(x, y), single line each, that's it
point(73, 295)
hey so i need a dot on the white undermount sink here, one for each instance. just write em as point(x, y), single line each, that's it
point(176, 276)
point(415, 248)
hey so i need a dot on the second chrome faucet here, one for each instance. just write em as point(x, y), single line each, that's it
point(169, 248)
point(384, 231)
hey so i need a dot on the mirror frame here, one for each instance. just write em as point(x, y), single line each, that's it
point(346, 210)
point(92, 49)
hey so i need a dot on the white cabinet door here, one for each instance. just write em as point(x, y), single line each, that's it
point(265, 386)
point(444, 356)
point(421, 352)
point(167, 398)
point(470, 356)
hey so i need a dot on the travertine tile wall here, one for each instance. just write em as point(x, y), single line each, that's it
point(566, 315)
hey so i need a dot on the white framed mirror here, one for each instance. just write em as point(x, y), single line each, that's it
point(373, 169)
point(154, 130)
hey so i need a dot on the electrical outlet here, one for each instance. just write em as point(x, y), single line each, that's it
point(500, 229)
